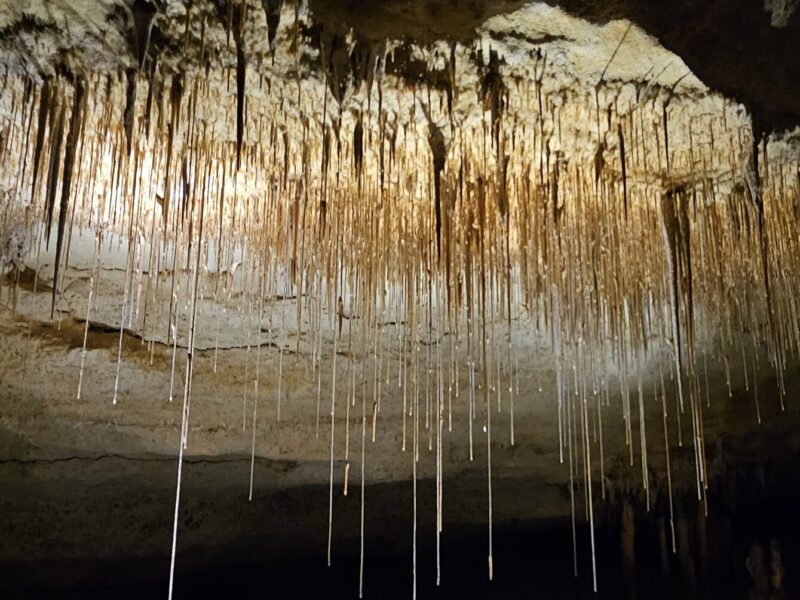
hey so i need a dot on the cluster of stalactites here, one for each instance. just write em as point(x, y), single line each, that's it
point(511, 196)
point(673, 215)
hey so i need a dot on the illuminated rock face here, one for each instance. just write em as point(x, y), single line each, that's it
point(524, 269)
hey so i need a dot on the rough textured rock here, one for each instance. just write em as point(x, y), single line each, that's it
point(744, 49)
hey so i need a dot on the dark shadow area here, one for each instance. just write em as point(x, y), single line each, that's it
point(746, 548)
